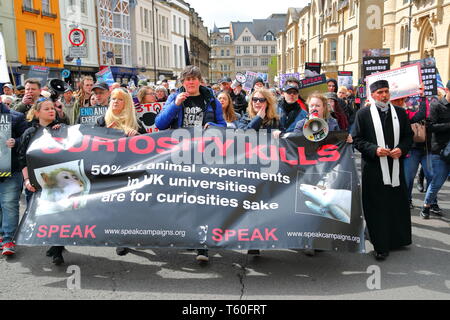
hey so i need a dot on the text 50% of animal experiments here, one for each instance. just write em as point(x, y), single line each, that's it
point(106, 170)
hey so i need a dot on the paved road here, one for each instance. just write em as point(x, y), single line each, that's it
point(419, 272)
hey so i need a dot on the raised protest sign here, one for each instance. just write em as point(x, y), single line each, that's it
point(40, 73)
point(192, 189)
point(312, 69)
point(372, 65)
point(429, 75)
point(147, 114)
point(345, 79)
point(403, 82)
point(250, 78)
point(105, 75)
point(5, 152)
point(285, 76)
point(310, 85)
point(89, 115)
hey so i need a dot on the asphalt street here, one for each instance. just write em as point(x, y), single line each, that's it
point(421, 271)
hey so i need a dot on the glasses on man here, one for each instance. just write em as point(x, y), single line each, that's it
point(261, 100)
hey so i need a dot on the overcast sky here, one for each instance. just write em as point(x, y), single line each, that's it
point(225, 11)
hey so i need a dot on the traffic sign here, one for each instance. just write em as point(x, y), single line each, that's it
point(78, 52)
point(79, 62)
point(77, 37)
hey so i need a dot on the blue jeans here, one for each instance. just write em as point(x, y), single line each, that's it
point(441, 170)
point(411, 164)
point(10, 191)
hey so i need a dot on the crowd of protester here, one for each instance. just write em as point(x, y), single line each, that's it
point(279, 111)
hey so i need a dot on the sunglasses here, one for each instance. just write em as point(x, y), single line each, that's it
point(261, 100)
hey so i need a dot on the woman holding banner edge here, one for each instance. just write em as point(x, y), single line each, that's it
point(41, 115)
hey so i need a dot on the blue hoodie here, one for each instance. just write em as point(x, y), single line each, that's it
point(171, 117)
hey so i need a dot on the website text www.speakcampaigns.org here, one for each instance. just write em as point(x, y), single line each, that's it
point(141, 232)
point(324, 236)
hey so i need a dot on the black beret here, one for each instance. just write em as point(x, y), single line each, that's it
point(380, 84)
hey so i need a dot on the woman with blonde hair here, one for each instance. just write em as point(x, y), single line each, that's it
point(261, 112)
point(146, 95)
point(121, 115)
point(229, 114)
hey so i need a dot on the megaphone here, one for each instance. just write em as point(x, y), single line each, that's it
point(315, 129)
point(56, 87)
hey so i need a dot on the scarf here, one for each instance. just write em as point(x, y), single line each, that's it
point(388, 180)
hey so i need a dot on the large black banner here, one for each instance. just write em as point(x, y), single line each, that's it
point(5, 152)
point(192, 189)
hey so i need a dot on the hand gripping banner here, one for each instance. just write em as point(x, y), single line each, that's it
point(192, 189)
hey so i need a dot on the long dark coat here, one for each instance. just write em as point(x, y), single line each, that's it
point(386, 209)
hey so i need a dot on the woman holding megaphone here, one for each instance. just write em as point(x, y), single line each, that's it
point(320, 122)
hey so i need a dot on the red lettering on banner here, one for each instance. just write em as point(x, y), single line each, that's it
point(164, 142)
point(50, 150)
point(108, 143)
point(84, 145)
point(302, 158)
point(66, 231)
point(329, 150)
point(250, 151)
point(223, 147)
point(122, 147)
point(150, 144)
point(244, 234)
point(283, 158)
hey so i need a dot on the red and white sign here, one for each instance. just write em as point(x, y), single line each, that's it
point(77, 37)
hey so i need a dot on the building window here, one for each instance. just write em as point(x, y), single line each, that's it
point(184, 26)
point(255, 62)
point(175, 52)
point(246, 39)
point(246, 50)
point(333, 50)
point(28, 4)
point(118, 54)
point(349, 47)
point(238, 50)
point(83, 6)
point(265, 49)
point(222, 53)
point(174, 24)
point(264, 62)
point(46, 6)
point(31, 44)
point(226, 39)
point(255, 49)
point(273, 50)
point(247, 62)
point(228, 52)
point(269, 37)
point(238, 62)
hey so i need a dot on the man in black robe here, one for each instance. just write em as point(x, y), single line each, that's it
point(383, 142)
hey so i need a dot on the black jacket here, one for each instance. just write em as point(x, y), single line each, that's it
point(18, 126)
point(239, 102)
point(25, 141)
point(440, 125)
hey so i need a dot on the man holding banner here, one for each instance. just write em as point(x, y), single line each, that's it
point(192, 106)
point(383, 135)
point(11, 186)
